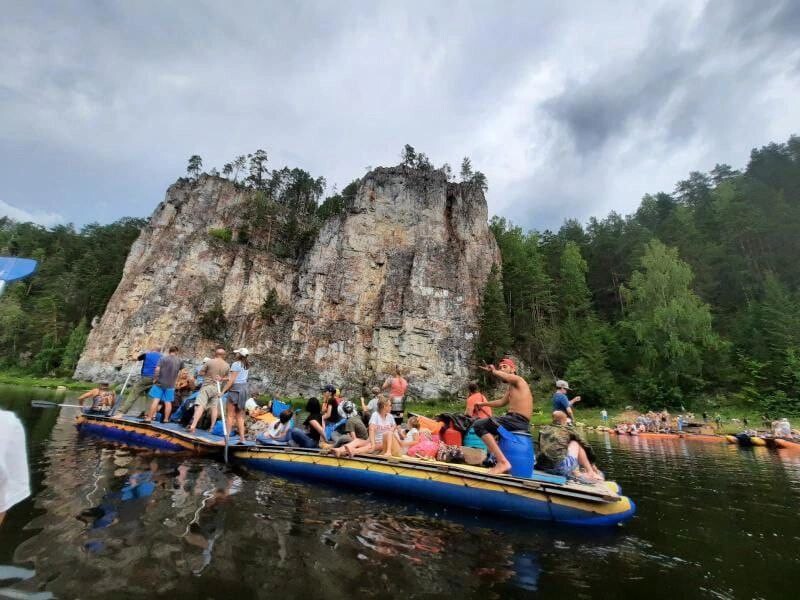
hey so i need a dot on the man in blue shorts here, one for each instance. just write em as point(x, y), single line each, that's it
point(561, 402)
point(163, 389)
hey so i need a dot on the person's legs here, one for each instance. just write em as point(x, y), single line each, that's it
point(240, 423)
point(358, 446)
point(486, 429)
point(214, 413)
point(576, 451)
point(167, 411)
point(299, 437)
point(139, 387)
point(200, 404)
point(318, 428)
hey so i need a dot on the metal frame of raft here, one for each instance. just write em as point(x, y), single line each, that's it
point(543, 497)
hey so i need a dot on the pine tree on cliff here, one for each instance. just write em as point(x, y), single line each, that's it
point(194, 166)
point(494, 339)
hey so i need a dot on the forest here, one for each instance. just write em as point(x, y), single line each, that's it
point(694, 296)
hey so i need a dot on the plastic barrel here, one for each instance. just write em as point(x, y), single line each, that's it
point(517, 446)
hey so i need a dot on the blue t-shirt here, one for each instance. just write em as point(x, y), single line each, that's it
point(150, 363)
point(560, 402)
point(241, 372)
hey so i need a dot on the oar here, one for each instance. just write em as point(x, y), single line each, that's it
point(122, 392)
point(47, 404)
point(224, 425)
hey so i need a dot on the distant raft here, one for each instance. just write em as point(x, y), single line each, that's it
point(542, 497)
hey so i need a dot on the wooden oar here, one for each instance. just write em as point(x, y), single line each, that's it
point(48, 404)
point(122, 392)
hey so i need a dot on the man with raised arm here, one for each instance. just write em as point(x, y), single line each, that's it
point(519, 399)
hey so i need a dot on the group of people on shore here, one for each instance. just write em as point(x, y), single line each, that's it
point(335, 424)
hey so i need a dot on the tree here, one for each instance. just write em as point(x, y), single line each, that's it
point(195, 164)
point(74, 347)
point(466, 170)
point(478, 179)
point(670, 327)
point(408, 156)
point(494, 339)
point(258, 169)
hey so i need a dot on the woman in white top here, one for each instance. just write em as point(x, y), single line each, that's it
point(381, 430)
point(236, 388)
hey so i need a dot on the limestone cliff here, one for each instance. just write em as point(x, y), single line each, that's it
point(396, 278)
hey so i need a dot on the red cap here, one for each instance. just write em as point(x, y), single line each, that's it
point(509, 362)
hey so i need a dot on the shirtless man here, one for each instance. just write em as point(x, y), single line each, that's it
point(519, 399)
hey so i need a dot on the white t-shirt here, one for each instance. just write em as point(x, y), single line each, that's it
point(382, 425)
point(14, 479)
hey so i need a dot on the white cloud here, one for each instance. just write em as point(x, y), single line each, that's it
point(48, 219)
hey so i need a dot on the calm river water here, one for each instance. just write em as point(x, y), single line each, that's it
point(714, 521)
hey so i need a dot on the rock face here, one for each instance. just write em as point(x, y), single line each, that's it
point(396, 279)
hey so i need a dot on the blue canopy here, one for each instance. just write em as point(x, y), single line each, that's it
point(13, 268)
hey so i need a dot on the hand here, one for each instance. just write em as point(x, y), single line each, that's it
point(576, 399)
point(489, 368)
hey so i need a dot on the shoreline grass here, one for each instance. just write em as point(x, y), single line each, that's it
point(22, 379)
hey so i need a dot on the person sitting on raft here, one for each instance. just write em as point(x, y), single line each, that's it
point(279, 432)
point(381, 427)
point(309, 435)
point(330, 407)
point(351, 426)
point(519, 399)
point(372, 405)
point(102, 397)
point(563, 451)
point(258, 418)
point(473, 398)
point(403, 440)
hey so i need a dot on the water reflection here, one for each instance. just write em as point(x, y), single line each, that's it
point(714, 521)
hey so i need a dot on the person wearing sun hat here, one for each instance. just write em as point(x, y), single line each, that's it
point(519, 399)
point(561, 402)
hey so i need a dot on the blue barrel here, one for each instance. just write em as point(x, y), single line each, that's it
point(517, 446)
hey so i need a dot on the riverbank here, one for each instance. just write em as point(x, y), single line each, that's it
point(16, 378)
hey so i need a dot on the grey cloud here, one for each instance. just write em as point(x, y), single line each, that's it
point(107, 100)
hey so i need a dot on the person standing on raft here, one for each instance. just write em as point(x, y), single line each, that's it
point(519, 399)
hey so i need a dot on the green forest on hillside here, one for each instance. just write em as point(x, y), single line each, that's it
point(695, 296)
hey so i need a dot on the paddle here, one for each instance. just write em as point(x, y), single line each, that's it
point(47, 404)
point(13, 269)
point(121, 394)
point(224, 425)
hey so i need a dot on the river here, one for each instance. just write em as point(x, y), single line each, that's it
point(714, 521)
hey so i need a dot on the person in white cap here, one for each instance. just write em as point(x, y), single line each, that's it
point(561, 403)
point(236, 388)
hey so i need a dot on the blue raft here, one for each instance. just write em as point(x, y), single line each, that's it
point(541, 497)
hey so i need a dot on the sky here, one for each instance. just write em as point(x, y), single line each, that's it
point(571, 110)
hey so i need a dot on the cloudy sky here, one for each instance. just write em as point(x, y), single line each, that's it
point(570, 110)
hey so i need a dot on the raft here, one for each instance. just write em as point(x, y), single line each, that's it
point(543, 497)
point(159, 436)
point(787, 444)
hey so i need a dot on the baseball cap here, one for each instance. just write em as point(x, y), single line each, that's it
point(242, 351)
point(562, 384)
point(329, 388)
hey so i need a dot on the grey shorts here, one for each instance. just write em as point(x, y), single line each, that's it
point(237, 395)
point(207, 395)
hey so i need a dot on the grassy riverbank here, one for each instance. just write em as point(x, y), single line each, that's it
point(18, 378)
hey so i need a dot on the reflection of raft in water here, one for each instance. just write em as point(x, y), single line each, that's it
point(543, 497)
